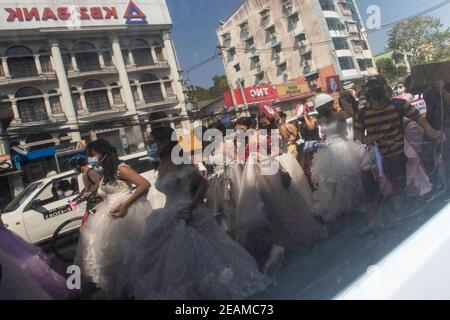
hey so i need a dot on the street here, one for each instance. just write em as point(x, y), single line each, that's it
point(330, 266)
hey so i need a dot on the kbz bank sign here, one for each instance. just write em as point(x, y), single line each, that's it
point(37, 14)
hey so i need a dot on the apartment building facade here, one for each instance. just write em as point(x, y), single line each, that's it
point(77, 70)
point(294, 41)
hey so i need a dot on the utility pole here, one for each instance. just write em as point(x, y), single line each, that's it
point(227, 74)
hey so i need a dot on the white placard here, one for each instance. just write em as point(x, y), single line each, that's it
point(40, 14)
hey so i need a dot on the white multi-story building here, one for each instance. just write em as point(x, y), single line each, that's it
point(295, 41)
point(79, 70)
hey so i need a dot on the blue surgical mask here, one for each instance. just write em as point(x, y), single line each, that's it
point(152, 151)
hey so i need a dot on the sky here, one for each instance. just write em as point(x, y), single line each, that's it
point(195, 23)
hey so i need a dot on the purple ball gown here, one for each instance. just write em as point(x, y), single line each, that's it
point(33, 262)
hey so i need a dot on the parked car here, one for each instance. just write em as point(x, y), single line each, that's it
point(43, 205)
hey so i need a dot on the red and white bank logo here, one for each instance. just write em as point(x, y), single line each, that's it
point(132, 15)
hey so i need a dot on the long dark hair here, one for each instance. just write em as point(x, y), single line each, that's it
point(110, 161)
point(163, 138)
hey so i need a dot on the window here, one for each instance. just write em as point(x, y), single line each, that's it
point(346, 63)
point(21, 197)
point(169, 89)
point(134, 90)
point(346, 9)
point(282, 67)
point(352, 28)
point(142, 53)
point(31, 105)
point(365, 64)
point(265, 17)
point(96, 96)
point(140, 165)
point(287, 7)
point(86, 56)
point(245, 32)
point(67, 59)
point(44, 59)
point(335, 24)
point(151, 91)
point(57, 190)
point(327, 5)
point(259, 78)
point(249, 45)
point(21, 62)
point(237, 67)
point(55, 103)
point(125, 56)
point(293, 22)
point(107, 58)
point(5, 107)
point(76, 99)
point(117, 97)
point(340, 44)
point(159, 54)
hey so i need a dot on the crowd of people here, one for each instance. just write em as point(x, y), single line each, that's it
point(223, 234)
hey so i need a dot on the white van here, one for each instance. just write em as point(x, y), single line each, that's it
point(39, 210)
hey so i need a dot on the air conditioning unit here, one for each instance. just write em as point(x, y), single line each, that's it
point(306, 64)
point(273, 36)
point(276, 55)
point(301, 43)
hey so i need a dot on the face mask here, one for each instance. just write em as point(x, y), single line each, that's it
point(400, 90)
point(60, 193)
point(152, 151)
point(362, 103)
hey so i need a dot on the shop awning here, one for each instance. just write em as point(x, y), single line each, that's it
point(42, 153)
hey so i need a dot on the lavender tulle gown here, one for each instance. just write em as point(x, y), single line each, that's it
point(33, 263)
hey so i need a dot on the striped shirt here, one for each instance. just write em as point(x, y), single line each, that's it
point(385, 126)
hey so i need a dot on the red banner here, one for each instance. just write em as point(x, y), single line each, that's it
point(253, 95)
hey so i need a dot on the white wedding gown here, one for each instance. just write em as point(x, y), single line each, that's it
point(105, 243)
point(336, 171)
point(190, 261)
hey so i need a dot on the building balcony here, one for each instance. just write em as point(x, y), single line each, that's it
point(157, 65)
point(338, 33)
point(48, 121)
point(362, 54)
point(87, 74)
point(143, 105)
point(92, 115)
point(331, 14)
point(343, 53)
point(43, 77)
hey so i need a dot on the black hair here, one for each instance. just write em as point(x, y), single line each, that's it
point(377, 88)
point(110, 161)
point(272, 124)
point(249, 122)
point(157, 116)
point(218, 125)
point(163, 138)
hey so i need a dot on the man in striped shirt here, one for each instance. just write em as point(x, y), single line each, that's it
point(381, 121)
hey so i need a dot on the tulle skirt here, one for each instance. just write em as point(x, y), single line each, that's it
point(105, 243)
point(336, 171)
point(191, 261)
point(29, 264)
point(222, 196)
point(273, 212)
point(417, 181)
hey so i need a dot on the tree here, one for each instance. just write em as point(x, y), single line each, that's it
point(217, 90)
point(387, 69)
point(422, 38)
